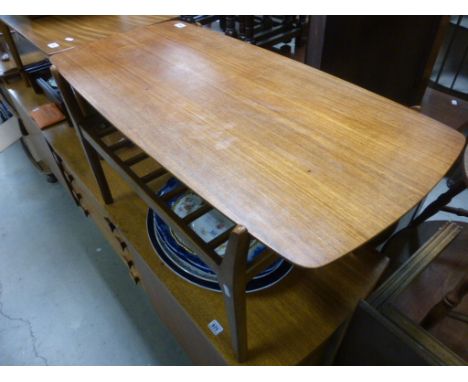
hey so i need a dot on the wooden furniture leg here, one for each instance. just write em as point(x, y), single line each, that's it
point(288, 21)
point(233, 280)
point(14, 51)
point(302, 38)
point(222, 23)
point(242, 27)
point(249, 29)
point(440, 202)
point(230, 26)
point(76, 115)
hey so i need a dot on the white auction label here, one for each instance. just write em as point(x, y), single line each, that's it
point(180, 25)
point(69, 39)
point(215, 327)
point(53, 45)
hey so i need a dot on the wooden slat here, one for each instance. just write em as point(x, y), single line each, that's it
point(175, 192)
point(311, 165)
point(135, 159)
point(153, 175)
point(456, 211)
point(197, 213)
point(101, 127)
point(106, 131)
point(262, 262)
point(121, 144)
point(159, 206)
point(220, 239)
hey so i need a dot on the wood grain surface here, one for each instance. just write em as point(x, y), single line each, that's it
point(83, 29)
point(311, 165)
point(286, 323)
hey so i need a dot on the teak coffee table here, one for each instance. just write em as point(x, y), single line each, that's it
point(310, 165)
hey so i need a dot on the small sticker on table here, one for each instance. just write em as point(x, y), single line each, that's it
point(69, 39)
point(53, 45)
point(180, 25)
point(215, 327)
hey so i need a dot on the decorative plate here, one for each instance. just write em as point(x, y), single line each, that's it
point(184, 262)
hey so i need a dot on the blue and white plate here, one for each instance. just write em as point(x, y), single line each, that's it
point(184, 262)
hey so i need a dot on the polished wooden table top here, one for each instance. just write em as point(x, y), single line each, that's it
point(313, 166)
point(71, 31)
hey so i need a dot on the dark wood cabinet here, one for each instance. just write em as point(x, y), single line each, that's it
point(389, 55)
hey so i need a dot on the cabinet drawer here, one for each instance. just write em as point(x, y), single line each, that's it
point(113, 235)
point(86, 201)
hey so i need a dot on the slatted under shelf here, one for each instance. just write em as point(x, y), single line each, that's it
point(287, 324)
point(130, 161)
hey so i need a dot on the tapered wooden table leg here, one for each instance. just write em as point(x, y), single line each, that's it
point(76, 114)
point(5, 29)
point(232, 278)
point(95, 163)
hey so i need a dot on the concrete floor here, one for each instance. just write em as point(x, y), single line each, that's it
point(65, 296)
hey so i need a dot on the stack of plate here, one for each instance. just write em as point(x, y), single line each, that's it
point(184, 262)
